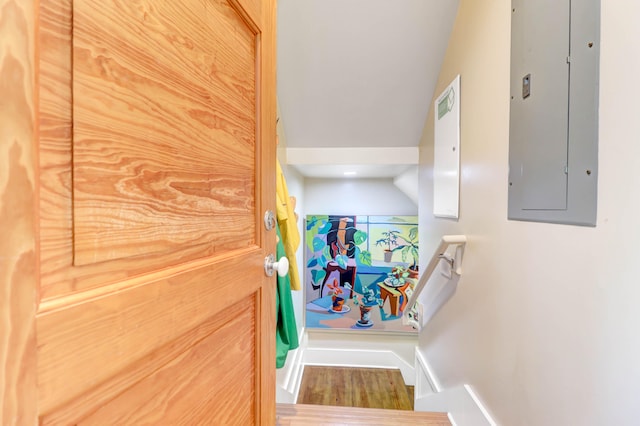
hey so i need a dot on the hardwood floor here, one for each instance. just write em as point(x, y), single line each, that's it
point(355, 387)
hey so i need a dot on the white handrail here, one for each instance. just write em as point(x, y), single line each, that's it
point(456, 264)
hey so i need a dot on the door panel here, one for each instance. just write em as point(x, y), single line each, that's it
point(58, 277)
point(157, 162)
point(167, 382)
point(138, 319)
point(223, 397)
point(163, 129)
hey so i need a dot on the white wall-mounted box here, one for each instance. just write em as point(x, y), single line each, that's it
point(446, 155)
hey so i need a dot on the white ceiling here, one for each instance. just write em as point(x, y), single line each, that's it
point(355, 171)
point(359, 73)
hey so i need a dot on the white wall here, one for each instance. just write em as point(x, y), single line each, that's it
point(356, 196)
point(544, 325)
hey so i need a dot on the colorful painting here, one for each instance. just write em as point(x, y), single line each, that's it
point(360, 271)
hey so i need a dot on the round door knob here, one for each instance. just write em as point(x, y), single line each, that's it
point(281, 266)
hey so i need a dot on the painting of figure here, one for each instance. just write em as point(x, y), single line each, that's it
point(360, 271)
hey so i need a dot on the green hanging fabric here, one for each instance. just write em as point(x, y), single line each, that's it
point(286, 330)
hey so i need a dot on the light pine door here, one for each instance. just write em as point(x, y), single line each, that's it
point(156, 165)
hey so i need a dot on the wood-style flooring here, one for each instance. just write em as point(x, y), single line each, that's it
point(355, 387)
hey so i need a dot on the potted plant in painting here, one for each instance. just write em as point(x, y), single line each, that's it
point(389, 241)
point(366, 301)
point(408, 246)
point(337, 298)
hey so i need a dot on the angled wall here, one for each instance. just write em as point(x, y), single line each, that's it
point(543, 325)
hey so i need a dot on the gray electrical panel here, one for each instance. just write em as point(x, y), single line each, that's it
point(553, 128)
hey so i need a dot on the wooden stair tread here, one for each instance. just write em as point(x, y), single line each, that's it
point(303, 415)
point(354, 387)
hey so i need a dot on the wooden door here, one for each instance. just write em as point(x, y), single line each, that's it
point(155, 138)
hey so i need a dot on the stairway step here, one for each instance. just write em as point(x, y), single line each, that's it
point(307, 415)
point(354, 387)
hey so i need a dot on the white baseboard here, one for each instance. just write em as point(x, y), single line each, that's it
point(363, 350)
point(345, 349)
point(360, 358)
point(288, 378)
point(426, 382)
point(461, 402)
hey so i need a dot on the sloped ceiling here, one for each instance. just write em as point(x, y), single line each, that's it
point(359, 73)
